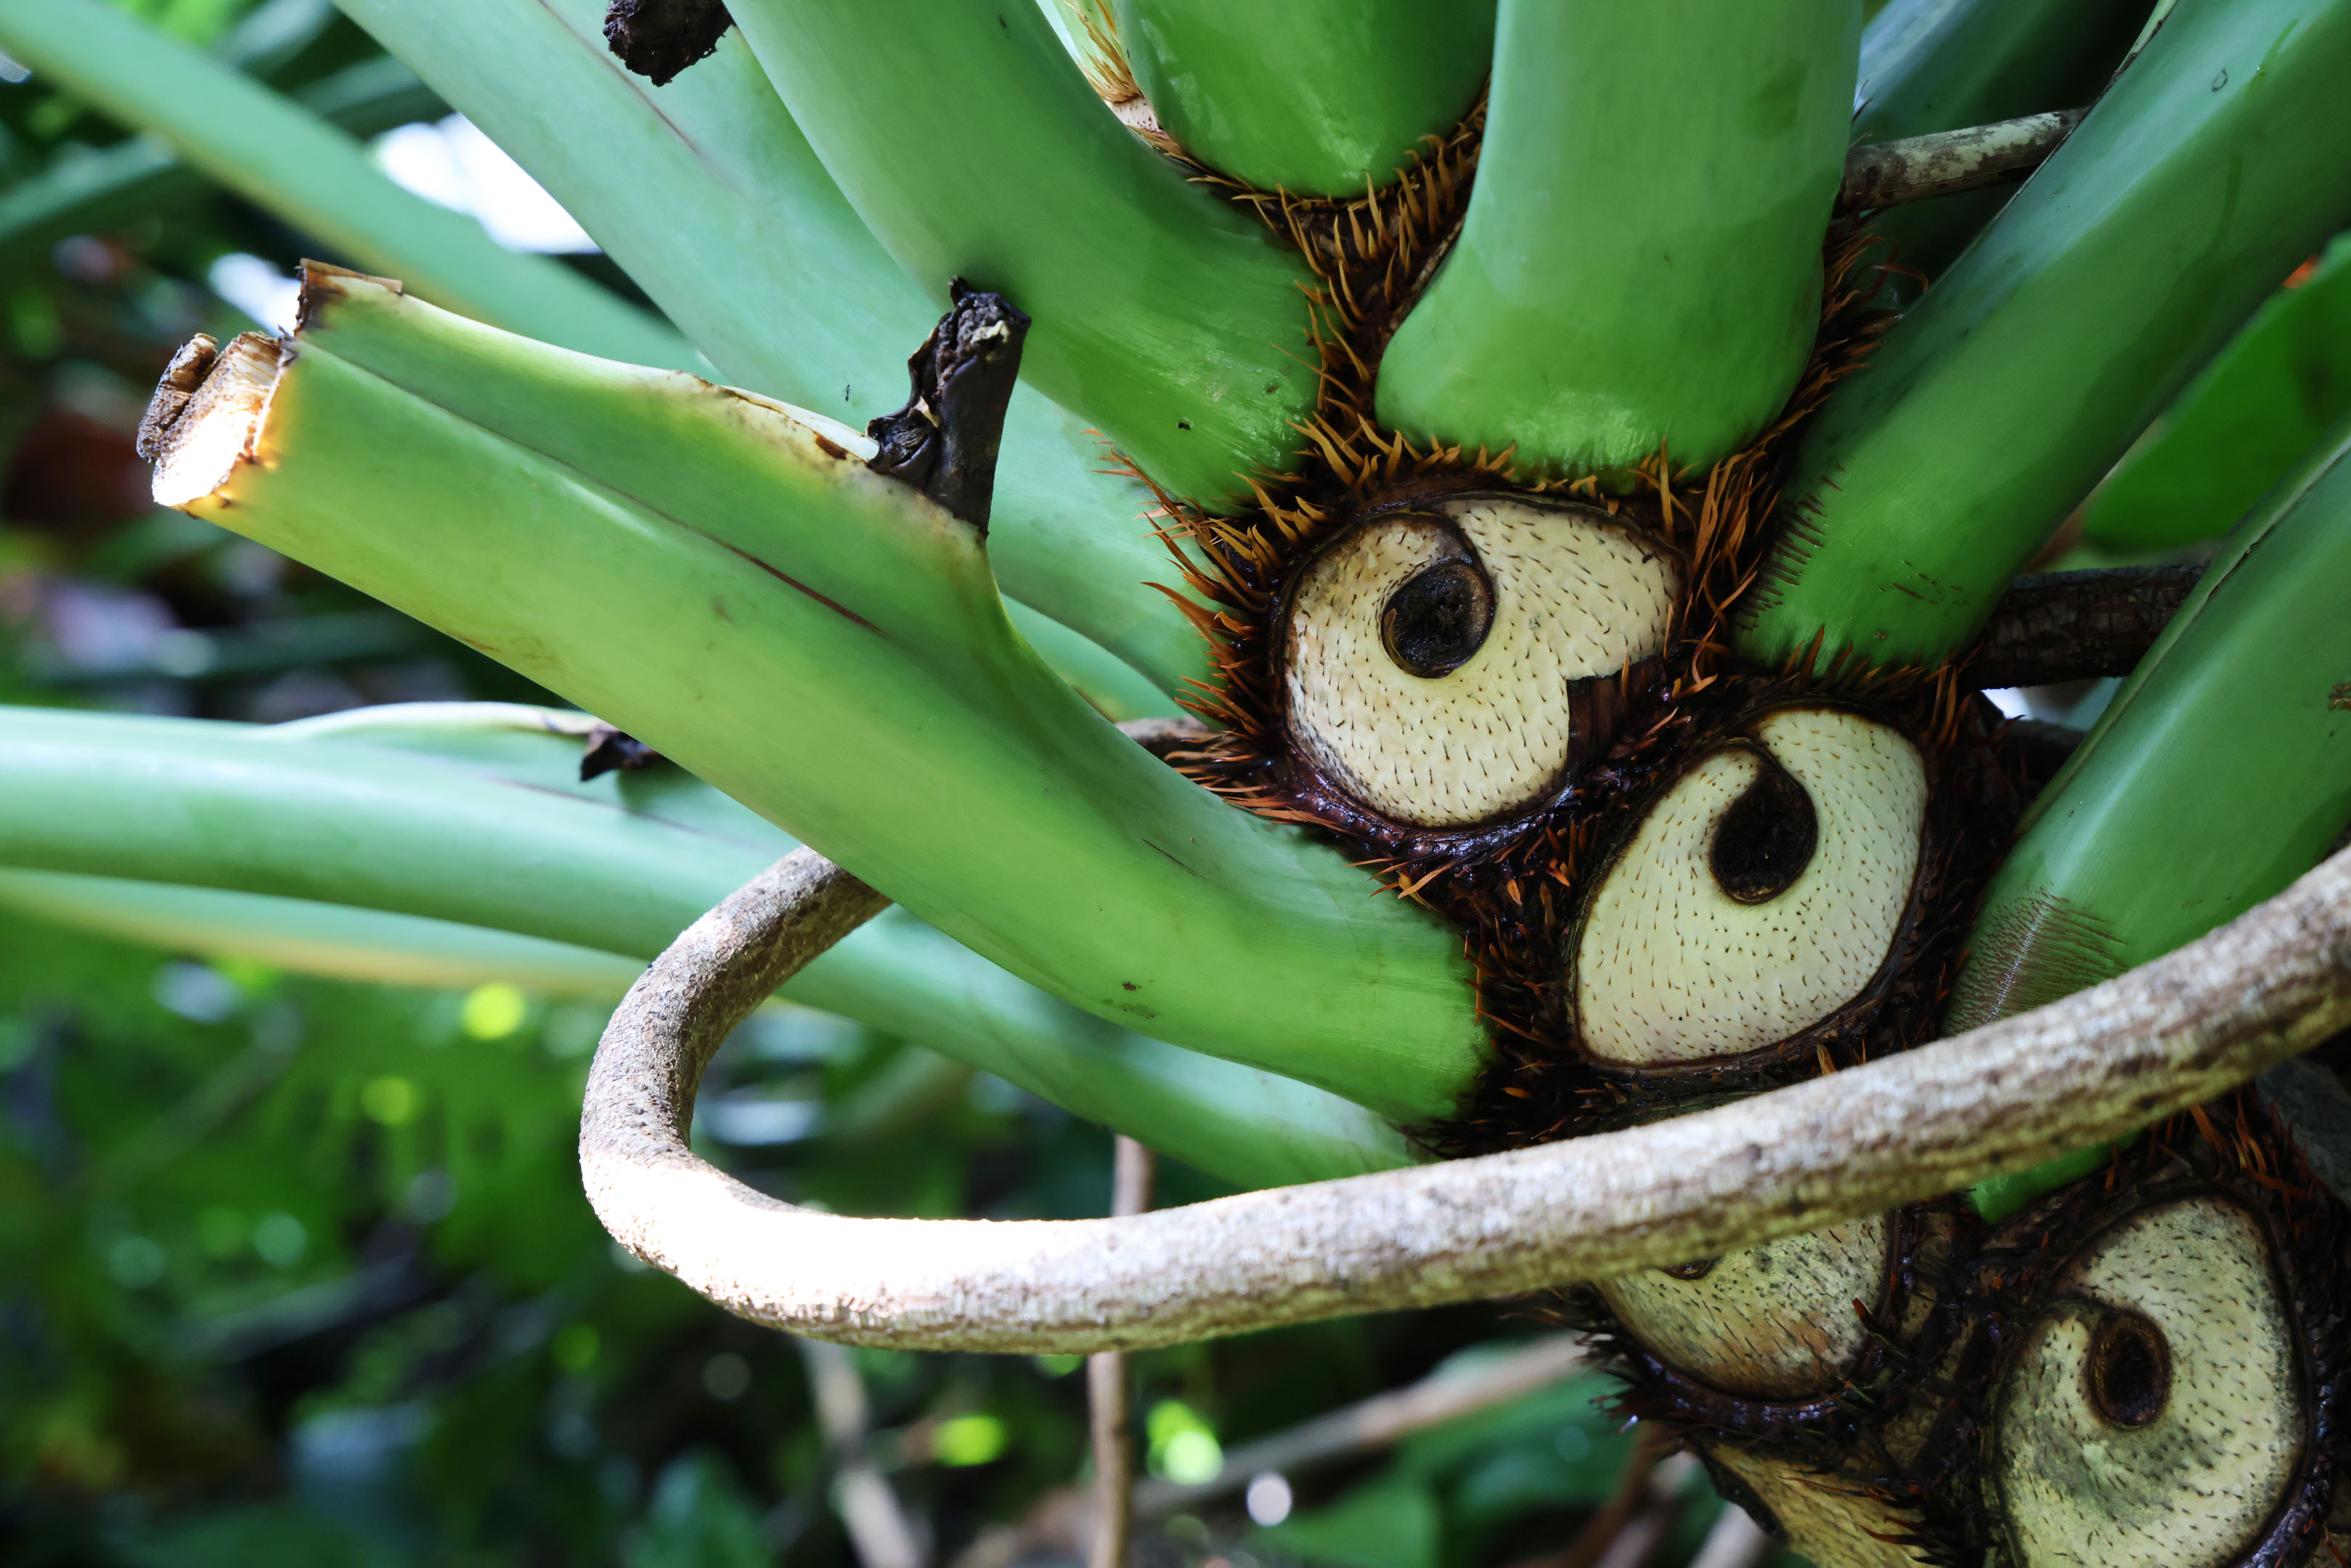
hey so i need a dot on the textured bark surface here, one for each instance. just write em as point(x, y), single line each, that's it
point(2078, 625)
point(1949, 161)
point(659, 38)
point(2091, 1068)
point(944, 441)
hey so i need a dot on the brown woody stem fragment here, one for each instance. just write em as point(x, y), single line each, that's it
point(1133, 1176)
point(2077, 625)
point(1889, 174)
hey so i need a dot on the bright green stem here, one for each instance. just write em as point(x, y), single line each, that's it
point(2221, 772)
point(1939, 64)
point(829, 648)
point(2219, 160)
point(2238, 427)
point(969, 142)
point(337, 848)
point(1318, 97)
point(1640, 265)
point(339, 941)
point(473, 371)
point(710, 198)
point(291, 162)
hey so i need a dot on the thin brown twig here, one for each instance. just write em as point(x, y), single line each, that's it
point(1135, 1173)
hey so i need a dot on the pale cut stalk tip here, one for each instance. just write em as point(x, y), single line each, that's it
point(197, 438)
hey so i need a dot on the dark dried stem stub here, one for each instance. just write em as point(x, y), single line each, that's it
point(659, 38)
point(944, 442)
point(2078, 625)
point(614, 750)
point(2129, 1373)
point(1767, 837)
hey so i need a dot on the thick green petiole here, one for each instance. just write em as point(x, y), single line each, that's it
point(292, 162)
point(2239, 426)
point(2221, 772)
point(1639, 269)
point(339, 941)
point(969, 142)
point(710, 197)
point(1314, 97)
point(729, 583)
point(1938, 64)
point(2217, 161)
point(449, 844)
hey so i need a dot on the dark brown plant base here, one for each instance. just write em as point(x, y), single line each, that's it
point(1912, 1437)
point(2078, 625)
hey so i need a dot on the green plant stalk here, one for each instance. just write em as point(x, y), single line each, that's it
point(295, 164)
point(308, 937)
point(826, 646)
point(450, 843)
point(2217, 161)
point(1639, 268)
point(137, 178)
point(969, 141)
point(500, 381)
point(710, 198)
point(2238, 427)
point(2221, 772)
point(1939, 64)
point(1321, 97)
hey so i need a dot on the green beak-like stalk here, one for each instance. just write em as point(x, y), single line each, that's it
point(728, 582)
point(1313, 97)
point(968, 140)
point(2219, 160)
point(708, 196)
point(1639, 269)
point(2221, 772)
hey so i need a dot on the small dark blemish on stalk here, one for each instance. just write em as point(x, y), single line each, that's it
point(1183, 425)
point(611, 750)
point(2339, 699)
point(789, 580)
point(831, 448)
point(1130, 985)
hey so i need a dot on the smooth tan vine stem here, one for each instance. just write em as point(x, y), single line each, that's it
point(1887, 174)
point(1135, 1173)
point(2092, 1068)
